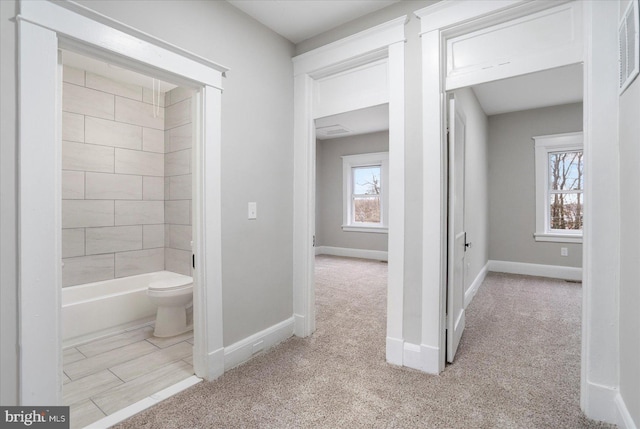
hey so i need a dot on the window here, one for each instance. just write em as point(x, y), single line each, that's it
point(559, 187)
point(365, 184)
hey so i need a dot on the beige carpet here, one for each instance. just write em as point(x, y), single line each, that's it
point(518, 365)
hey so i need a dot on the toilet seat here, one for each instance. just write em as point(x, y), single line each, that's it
point(170, 285)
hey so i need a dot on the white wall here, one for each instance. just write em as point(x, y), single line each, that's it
point(329, 191)
point(476, 198)
point(257, 158)
point(512, 190)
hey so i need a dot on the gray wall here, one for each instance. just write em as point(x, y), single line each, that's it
point(413, 145)
point(512, 211)
point(629, 298)
point(257, 154)
point(329, 199)
point(476, 197)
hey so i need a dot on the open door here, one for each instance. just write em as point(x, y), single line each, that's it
point(457, 242)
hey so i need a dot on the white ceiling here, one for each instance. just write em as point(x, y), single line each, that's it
point(553, 87)
point(301, 19)
point(363, 121)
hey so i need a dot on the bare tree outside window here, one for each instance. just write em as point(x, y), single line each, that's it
point(566, 183)
point(366, 194)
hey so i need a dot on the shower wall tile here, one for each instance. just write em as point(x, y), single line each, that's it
point(177, 212)
point(87, 157)
point(73, 75)
point(139, 212)
point(178, 114)
point(152, 236)
point(178, 261)
point(180, 237)
point(87, 269)
point(111, 133)
point(85, 213)
point(180, 187)
point(72, 127)
point(138, 162)
point(72, 185)
point(105, 84)
point(85, 101)
point(72, 242)
point(139, 262)
point(104, 186)
point(113, 239)
point(153, 188)
point(177, 163)
point(178, 94)
point(138, 113)
point(147, 97)
point(179, 138)
point(152, 140)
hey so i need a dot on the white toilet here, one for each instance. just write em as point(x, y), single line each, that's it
point(173, 295)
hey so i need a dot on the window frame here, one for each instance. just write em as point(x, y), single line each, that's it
point(349, 162)
point(544, 146)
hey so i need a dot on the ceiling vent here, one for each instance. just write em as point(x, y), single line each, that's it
point(331, 131)
point(629, 46)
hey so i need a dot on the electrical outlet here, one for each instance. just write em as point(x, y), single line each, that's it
point(564, 251)
point(253, 210)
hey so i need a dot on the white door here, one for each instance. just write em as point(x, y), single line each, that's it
point(457, 244)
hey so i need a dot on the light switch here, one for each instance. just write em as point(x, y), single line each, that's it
point(253, 210)
point(564, 251)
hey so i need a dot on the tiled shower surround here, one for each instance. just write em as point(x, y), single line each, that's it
point(119, 187)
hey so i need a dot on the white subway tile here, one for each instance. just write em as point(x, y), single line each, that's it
point(104, 186)
point(113, 239)
point(86, 101)
point(73, 75)
point(178, 114)
point(180, 237)
point(152, 236)
point(139, 113)
point(72, 127)
point(177, 163)
point(147, 97)
point(105, 84)
point(180, 187)
point(139, 262)
point(87, 269)
point(87, 157)
point(111, 133)
point(152, 140)
point(167, 188)
point(83, 213)
point(179, 138)
point(137, 162)
point(178, 261)
point(153, 188)
point(167, 231)
point(72, 242)
point(72, 185)
point(177, 212)
point(178, 94)
point(139, 212)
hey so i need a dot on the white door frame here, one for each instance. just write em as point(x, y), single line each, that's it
point(600, 250)
point(43, 28)
point(383, 41)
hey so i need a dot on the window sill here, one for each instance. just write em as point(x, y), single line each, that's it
point(558, 238)
point(362, 228)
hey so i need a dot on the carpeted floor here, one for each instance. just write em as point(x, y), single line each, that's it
point(518, 365)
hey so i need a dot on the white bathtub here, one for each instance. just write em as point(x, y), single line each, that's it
point(99, 309)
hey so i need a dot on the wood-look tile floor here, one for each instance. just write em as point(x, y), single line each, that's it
point(106, 375)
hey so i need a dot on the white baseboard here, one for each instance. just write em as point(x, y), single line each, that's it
point(299, 328)
point(553, 271)
point(422, 357)
point(395, 351)
point(473, 289)
point(600, 402)
point(412, 356)
point(379, 255)
point(624, 421)
point(245, 349)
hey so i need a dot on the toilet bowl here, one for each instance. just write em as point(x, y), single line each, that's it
point(172, 296)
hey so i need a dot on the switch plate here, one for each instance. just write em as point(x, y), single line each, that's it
point(253, 210)
point(564, 251)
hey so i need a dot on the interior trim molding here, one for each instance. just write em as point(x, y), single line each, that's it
point(380, 255)
point(245, 349)
point(395, 351)
point(412, 356)
point(473, 289)
point(625, 421)
point(601, 402)
point(526, 269)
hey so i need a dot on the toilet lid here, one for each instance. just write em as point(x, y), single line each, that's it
point(173, 283)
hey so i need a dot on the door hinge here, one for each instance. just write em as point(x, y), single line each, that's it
point(314, 241)
point(193, 260)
